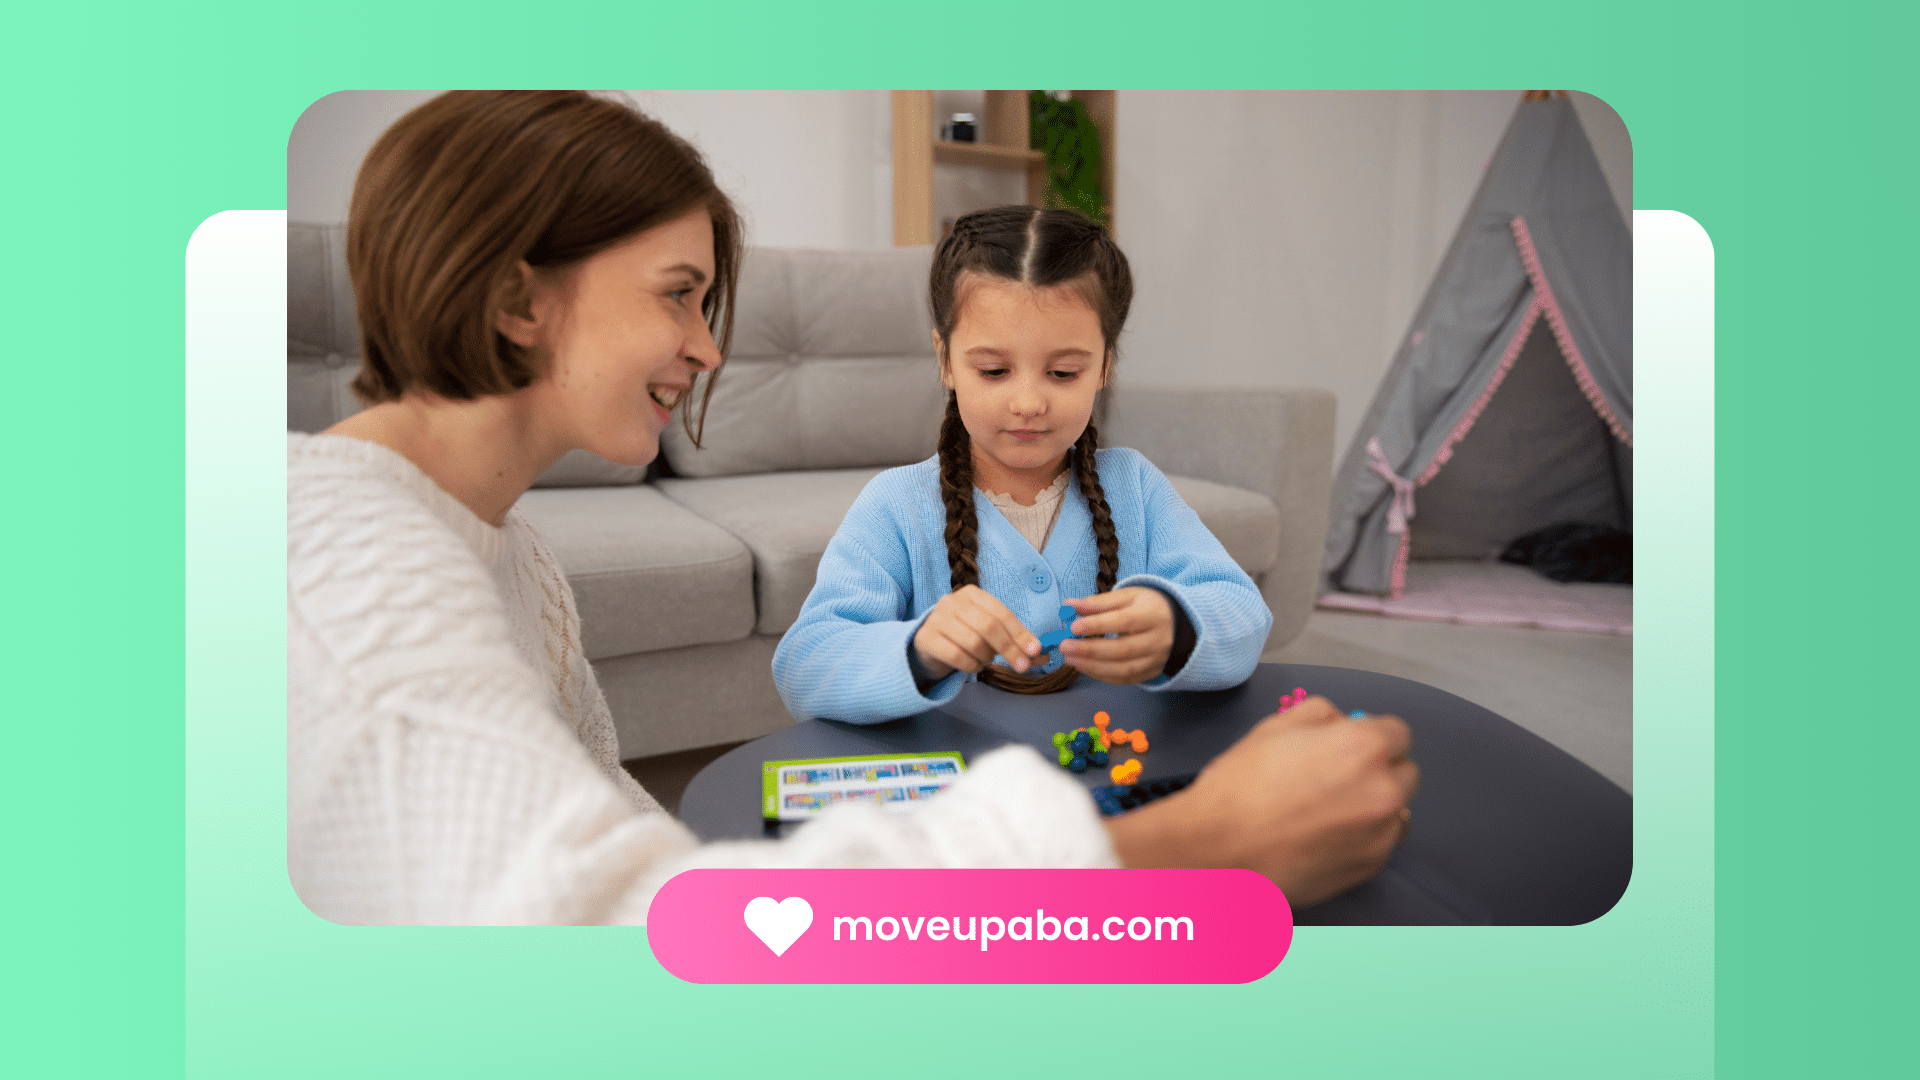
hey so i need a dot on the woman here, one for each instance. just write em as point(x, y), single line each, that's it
point(546, 271)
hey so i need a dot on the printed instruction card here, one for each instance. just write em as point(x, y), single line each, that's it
point(798, 790)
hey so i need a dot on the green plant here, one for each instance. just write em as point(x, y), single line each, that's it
point(1065, 133)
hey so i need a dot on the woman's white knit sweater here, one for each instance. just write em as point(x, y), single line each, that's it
point(450, 758)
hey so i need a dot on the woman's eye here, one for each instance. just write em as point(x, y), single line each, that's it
point(680, 295)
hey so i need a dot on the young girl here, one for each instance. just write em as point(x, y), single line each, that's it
point(940, 569)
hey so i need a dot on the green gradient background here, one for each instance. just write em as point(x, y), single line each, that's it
point(1781, 133)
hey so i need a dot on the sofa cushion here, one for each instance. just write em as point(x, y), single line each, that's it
point(646, 572)
point(785, 519)
point(677, 699)
point(584, 468)
point(1246, 523)
point(319, 391)
point(832, 367)
point(320, 313)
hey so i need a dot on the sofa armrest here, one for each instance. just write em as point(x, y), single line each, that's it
point(1272, 440)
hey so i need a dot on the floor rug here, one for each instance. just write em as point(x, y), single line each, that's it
point(1498, 594)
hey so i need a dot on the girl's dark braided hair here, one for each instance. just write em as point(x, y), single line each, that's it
point(1042, 248)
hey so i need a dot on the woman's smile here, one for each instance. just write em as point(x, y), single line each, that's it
point(665, 396)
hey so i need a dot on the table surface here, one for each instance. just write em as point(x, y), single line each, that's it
point(1507, 828)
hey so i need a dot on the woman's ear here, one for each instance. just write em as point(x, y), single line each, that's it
point(519, 317)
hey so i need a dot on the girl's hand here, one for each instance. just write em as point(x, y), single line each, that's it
point(1143, 618)
point(1309, 798)
point(966, 629)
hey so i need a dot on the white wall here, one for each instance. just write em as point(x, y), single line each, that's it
point(1277, 238)
point(1285, 239)
point(808, 168)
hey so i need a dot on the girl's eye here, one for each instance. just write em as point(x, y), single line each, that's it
point(1064, 376)
point(992, 373)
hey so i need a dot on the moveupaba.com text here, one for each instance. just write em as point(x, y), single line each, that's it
point(991, 928)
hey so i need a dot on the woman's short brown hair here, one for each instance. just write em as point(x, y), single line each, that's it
point(457, 192)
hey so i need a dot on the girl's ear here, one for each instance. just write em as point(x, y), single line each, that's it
point(519, 318)
point(940, 348)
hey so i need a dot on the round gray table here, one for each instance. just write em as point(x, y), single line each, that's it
point(1507, 829)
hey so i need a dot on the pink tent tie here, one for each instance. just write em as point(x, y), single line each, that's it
point(1402, 506)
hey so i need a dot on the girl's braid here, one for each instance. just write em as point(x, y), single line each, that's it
point(1103, 534)
point(956, 492)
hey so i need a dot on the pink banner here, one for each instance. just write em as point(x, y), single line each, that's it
point(970, 926)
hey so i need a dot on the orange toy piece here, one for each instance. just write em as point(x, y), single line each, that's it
point(1128, 772)
point(1139, 742)
point(1118, 735)
point(1101, 720)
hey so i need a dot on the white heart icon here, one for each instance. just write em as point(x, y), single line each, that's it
point(778, 925)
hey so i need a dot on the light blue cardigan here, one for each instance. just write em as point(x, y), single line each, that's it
point(845, 657)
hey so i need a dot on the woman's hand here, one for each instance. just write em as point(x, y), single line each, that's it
point(1309, 798)
point(1143, 618)
point(966, 629)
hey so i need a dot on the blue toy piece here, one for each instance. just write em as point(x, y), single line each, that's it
point(1098, 759)
point(1078, 764)
point(1050, 642)
point(1120, 798)
point(1357, 714)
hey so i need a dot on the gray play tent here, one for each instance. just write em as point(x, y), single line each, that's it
point(1509, 405)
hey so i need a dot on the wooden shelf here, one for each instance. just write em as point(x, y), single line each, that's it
point(984, 154)
point(1003, 146)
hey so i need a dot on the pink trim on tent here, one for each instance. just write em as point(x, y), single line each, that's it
point(1543, 294)
point(1398, 583)
point(1399, 511)
point(1473, 412)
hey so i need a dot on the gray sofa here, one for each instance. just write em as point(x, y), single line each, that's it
point(686, 574)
